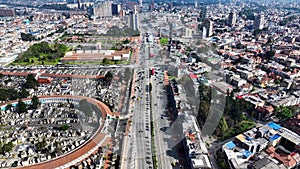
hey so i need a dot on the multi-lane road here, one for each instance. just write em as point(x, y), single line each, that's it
point(138, 150)
point(142, 153)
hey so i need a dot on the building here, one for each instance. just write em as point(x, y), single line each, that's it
point(96, 55)
point(259, 22)
point(103, 9)
point(194, 145)
point(152, 5)
point(208, 24)
point(78, 4)
point(71, 1)
point(141, 3)
point(133, 20)
point(204, 33)
point(45, 80)
point(188, 32)
point(6, 12)
point(231, 20)
point(271, 141)
point(116, 8)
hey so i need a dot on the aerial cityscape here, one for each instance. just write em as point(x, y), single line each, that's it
point(150, 84)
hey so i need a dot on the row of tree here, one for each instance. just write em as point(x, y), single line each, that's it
point(12, 94)
point(23, 107)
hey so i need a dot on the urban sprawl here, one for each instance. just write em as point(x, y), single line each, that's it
point(209, 84)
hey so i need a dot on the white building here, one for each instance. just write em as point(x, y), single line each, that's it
point(103, 9)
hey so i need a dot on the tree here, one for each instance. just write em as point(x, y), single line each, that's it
point(283, 113)
point(204, 105)
point(164, 41)
point(8, 94)
point(223, 125)
point(63, 7)
point(86, 107)
point(240, 46)
point(270, 40)
point(8, 107)
point(7, 147)
point(31, 82)
point(1, 145)
point(203, 49)
point(269, 54)
point(277, 81)
point(64, 127)
point(106, 61)
point(108, 78)
point(23, 93)
point(21, 107)
point(27, 37)
point(126, 41)
point(43, 51)
point(41, 145)
point(35, 102)
point(257, 32)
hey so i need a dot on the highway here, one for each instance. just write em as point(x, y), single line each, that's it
point(137, 150)
point(164, 144)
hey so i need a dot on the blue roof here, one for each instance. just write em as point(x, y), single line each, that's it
point(247, 153)
point(276, 136)
point(248, 138)
point(230, 145)
point(274, 126)
point(34, 33)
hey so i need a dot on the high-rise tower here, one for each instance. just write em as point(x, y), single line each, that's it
point(78, 4)
point(208, 24)
point(133, 21)
point(259, 22)
point(231, 20)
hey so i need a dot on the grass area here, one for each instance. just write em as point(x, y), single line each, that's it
point(130, 56)
point(35, 61)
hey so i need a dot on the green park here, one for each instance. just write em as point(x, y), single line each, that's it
point(42, 54)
